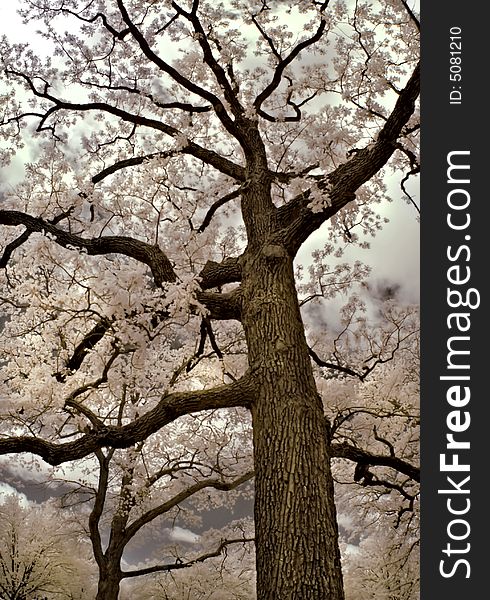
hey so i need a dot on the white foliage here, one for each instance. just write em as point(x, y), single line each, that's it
point(37, 556)
point(55, 295)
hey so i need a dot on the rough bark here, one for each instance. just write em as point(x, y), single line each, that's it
point(296, 533)
point(298, 556)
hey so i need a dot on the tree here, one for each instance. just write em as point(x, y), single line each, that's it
point(162, 478)
point(151, 121)
point(384, 570)
point(38, 558)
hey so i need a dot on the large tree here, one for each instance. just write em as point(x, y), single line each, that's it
point(185, 152)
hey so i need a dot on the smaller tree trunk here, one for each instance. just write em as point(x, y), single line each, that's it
point(110, 577)
point(109, 587)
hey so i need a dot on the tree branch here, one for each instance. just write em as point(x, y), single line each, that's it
point(23, 237)
point(88, 343)
point(170, 408)
point(357, 455)
point(411, 14)
point(216, 68)
point(129, 162)
point(298, 221)
point(283, 63)
point(321, 363)
point(183, 565)
point(120, 35)
point(222, 306)
point(216, 274)
point(71, 401)
point(414, 170)
point(388, 444)
point(150, 255)
point(216, 103)
point(216, 205)
point(221, 164)
point(98, 507)
point(208, 156)
point(152, 514)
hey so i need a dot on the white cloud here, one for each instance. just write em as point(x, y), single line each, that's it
point(179, 534)
point(7, 490)
point(352, 550)
point(345, 521)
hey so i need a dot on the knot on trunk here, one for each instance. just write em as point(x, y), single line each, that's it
point(274, 253)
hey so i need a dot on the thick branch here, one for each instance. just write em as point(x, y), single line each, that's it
point(221, 306)
point(96, 513)
point(88, 343)
point(344, 450)
point(216, 274)
point(9, 249)
point(152, 256)
point(170, 408)
point(23, 237)
point(299, 221)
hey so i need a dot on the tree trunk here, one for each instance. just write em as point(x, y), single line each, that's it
point(108, 588)
point(298, 557)
point(109, 582)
